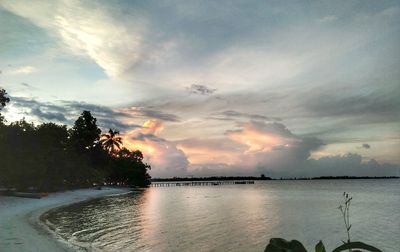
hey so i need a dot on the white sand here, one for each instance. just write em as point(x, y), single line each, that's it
point(21, 229)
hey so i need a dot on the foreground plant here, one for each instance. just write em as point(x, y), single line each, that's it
point(282, 245)
point(345, 210)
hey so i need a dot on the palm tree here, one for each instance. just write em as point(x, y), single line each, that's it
point(111, 141)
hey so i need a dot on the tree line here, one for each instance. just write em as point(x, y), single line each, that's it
point(52, 157)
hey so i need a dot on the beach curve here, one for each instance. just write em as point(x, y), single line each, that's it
point(21, 228)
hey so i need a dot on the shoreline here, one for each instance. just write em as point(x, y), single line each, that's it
point(21, 227)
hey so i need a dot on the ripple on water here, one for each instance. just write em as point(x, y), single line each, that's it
point(233, 218)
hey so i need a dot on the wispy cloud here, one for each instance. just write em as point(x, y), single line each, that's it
point(149, 113)
point(19, 70)
point(201, 89)
point(327, 19)
point(234, 115)
point(87, 29)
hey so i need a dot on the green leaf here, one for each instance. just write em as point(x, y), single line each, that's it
point(356, 245)
point(281, 245)
point(320, 247)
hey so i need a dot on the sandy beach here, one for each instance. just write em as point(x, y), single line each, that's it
point(20, 227)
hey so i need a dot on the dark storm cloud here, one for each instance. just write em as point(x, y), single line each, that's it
point(28, 86)
point(351, 164)
point(47, 115)
point(22, 102)
point(366, 146)
point(68, 111)
point(95, 109)
point(371, 107)
point(201, 89)
point(123, 112)
point(156, 114)
point(113, 123)
point(230, 115)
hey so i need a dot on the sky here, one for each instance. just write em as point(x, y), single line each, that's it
point(205, 88)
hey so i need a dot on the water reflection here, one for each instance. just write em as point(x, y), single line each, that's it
point(230, 218)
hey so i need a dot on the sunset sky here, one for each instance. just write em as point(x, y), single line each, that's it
point(284, 88)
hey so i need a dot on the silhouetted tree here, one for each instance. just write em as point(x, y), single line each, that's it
point(52, 141)
point(111, 141)
point(20, 165)
point(50, 157)
point(85, 133)
point(129, 169)
point(3, 101)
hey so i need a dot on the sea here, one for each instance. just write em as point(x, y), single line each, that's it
point(236, 217)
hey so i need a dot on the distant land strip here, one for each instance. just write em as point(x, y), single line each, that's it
point(217, 178)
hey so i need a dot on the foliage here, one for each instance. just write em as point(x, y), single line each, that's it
point(3, 98)
point(85, 134)
point(129, 168)
point(356, 245)
point(320, 247)
point(3, 101)
point(51, 157)
point(281, 245)
point(345, 210)
point(111, 141)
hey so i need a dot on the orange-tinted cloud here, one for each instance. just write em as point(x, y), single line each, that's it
point(152, 127)
point(254, 148)
point(262, 137)
point(205, 151)
point(166, 160)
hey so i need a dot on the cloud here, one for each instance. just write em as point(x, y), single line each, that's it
point(252, 148)
point(28, 86)
point(366, 146)
point(152, 127)
point(230, 115)
point(149, 113)
point(87, 29)
point(200, 89)
point(255, 145)
point(335, 79)
point(68, 111)
point(350, 164)
point(164, 157)
point(209, 150)
point(272, 149)
point(122, 119)
point(327, 19)
point(260, 136)
point(43, 115)
point(19, 70)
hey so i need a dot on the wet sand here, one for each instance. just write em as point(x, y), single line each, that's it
point(20, 226)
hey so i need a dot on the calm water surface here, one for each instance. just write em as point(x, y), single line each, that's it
point(234, 217)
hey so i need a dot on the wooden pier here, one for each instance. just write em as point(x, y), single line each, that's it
point(199, 183)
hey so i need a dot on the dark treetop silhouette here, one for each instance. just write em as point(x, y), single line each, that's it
point(111, 141)
point(51, 157)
